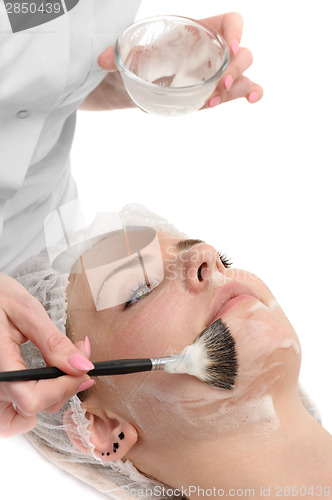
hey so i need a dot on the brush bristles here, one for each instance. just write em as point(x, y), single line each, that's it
point(221, 352)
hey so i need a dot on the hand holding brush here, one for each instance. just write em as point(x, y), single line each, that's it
point(211, 358)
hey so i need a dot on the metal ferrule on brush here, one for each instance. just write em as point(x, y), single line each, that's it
point(159, 363)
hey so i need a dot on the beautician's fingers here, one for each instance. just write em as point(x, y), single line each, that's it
point(106, 59)
point(84, 386)
point(243, 87)
point(233, 85)
point(84, 347)
point(32, 397)
point(230, 26)
point(23, 318)
point(240, 63)
point(65, 393)
point(13, 423)
point(21, 401)
point(48, 395)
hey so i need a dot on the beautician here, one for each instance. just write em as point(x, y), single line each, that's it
point(57, 57)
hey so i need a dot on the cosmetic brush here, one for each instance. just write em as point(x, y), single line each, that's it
point(211, 358)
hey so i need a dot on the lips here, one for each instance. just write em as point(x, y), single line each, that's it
point(226, 293)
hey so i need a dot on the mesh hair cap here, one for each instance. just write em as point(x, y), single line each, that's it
point(119, 479)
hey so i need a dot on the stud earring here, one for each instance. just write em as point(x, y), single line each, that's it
point(115, 445)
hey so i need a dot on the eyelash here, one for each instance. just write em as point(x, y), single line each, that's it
point(226, 261)
point(132, 300)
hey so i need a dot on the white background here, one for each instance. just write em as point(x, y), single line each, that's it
point(254, 180)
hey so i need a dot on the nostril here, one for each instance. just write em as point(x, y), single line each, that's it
point(200, 271)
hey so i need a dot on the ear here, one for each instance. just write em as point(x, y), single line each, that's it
point(111, 435)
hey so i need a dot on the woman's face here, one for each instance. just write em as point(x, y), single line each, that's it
point(161, 319)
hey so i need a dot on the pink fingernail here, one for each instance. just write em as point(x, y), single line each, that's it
point(79, 362)
point(87, 346)
point(85, 385)
point(215, 101)
point(235, 46)
point(253, 97)
point(228, 82)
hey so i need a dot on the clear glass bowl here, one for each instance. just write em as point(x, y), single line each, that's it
point(170, 65)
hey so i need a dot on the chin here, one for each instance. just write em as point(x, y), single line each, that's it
point(268, 350)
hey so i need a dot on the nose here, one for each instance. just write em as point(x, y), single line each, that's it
point(200, 264)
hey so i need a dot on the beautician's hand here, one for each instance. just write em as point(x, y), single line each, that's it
point(23, 318)
point(232, 84)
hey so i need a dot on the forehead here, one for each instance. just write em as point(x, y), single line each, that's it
point(113, 247)
point(167, 241)
point(118, 250)
point(171, 245)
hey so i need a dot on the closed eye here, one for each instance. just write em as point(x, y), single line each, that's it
point(225, 260)
point(140, 293)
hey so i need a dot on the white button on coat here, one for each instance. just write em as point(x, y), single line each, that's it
point(23, 114)
point(46, 72)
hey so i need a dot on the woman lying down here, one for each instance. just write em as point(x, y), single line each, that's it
point(148, 292)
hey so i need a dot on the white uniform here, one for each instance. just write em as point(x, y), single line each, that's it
point(46, 71)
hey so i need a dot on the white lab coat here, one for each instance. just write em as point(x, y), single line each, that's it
point(45, 73)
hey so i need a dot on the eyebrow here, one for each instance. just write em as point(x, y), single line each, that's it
point(186, 244)
point(138, 260)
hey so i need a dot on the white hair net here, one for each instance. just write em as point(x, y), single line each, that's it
point(119, 479)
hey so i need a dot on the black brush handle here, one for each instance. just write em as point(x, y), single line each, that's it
point(102, 368)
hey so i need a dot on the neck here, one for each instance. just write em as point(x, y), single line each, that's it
point(256, 460)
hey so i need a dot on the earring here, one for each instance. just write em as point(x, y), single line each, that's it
point(115, 445)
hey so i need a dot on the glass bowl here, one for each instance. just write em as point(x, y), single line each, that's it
point(170, 65)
